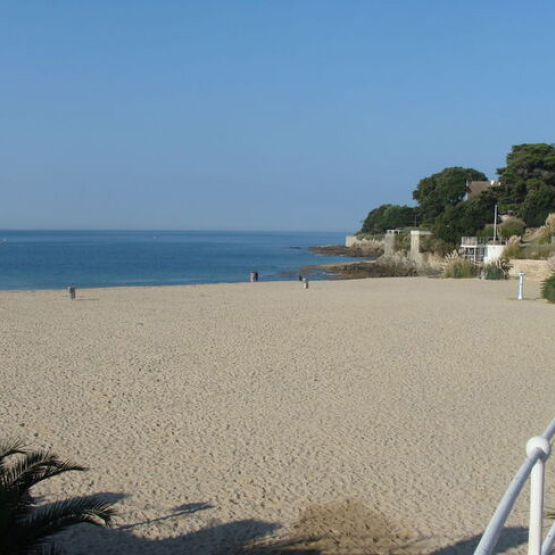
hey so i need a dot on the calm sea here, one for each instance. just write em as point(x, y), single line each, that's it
point(56, 259)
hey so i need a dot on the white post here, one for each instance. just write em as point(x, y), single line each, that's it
point(520, 285)
point(495, 224)
point(537, 477)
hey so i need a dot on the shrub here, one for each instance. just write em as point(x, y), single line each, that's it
point(513, 249)
point(402, 242)
point(459, 268)
point(435, 245)
point(486, 233)
point(548, 288)
point(546, 233)
point(369, 236)
point(510, 227)
point(495, 270)
point(538, 251)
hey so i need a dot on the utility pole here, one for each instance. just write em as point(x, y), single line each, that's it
point(495, 224)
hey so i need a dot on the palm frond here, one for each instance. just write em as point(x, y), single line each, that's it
point(35, 466)
point(44, 522)
point(8, 448)
point(26, 528)
point(17, 479)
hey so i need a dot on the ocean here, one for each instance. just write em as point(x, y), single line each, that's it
point(56, 259)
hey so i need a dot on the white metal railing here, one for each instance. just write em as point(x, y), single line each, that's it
point(480, 242)
point(538, 450)
point(472, 241)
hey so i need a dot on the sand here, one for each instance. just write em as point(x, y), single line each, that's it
point(359, 415)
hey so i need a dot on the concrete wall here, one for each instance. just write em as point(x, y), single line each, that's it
point(414, 253)
point(350, 240)
point(389, 244)
point(535, 270)
point(424, 262)
point(493, 253)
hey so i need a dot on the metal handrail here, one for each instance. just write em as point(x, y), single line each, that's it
point(538, 450)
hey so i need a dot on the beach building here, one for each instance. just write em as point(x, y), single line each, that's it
point(481, 250)
point(476, 188)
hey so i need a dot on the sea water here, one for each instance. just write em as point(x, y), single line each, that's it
point(56, 259)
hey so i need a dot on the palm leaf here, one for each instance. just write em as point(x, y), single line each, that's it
point(44, 522)
point(25, 472)
point(26, 529)
point(34, 467)
point(9, 448)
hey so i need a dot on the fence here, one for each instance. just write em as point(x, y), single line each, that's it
point(537, 451)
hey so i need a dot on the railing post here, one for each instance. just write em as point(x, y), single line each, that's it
point(537, 477)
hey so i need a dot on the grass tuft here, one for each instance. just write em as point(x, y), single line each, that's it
point(459, 268)
point(548, 288)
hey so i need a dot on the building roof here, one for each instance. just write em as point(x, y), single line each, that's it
point(475, 188)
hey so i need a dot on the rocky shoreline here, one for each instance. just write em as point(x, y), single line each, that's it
point(359, 270)
point(352, 252)
point(376, 265)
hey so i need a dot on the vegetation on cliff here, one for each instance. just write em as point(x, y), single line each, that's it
point(526, 190)
point(388, 216)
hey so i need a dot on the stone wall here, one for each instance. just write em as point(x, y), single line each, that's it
point(535, 270)
point(415, 252)
point(389, 244)
point(364, 246)
point(422, 262)
point(362, 242)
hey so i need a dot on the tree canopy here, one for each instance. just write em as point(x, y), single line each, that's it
point(443, 189)
point(388, 216)
point(526, 189)
point(465, 218)
point(527, 182)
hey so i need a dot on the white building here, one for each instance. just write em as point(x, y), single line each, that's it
point(481, 250)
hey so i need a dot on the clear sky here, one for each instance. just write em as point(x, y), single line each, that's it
point(260, 114)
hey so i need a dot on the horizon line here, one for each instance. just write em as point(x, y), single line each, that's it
point(134, 230)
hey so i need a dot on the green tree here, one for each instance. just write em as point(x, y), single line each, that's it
point(388, 216)
point(466, 218)
point(538, 205)
point(26, 528)
point(373, 220)
point(441, 190)
point(527, 181)
point(510, 227)
point(398, 216)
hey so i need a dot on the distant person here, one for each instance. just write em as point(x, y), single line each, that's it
point(255, 276)
point(300, 277)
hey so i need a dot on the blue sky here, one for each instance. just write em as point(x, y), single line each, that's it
point(261, 114)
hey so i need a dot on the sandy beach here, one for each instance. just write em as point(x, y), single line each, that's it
point(369, 414)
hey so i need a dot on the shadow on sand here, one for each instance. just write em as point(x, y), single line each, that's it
point(346, 528)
